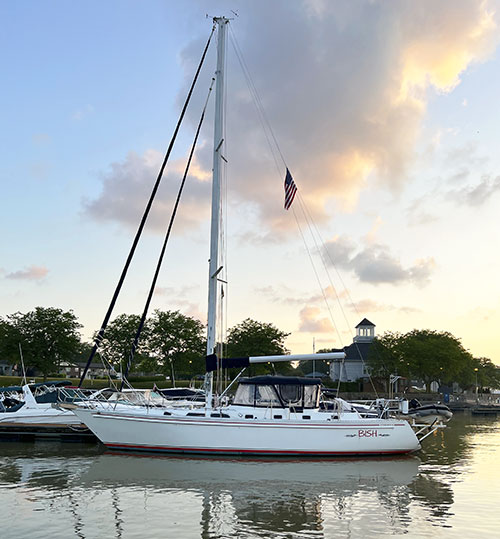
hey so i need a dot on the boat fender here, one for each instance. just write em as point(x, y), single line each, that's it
point(404, 405)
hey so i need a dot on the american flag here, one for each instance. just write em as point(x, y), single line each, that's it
point(290, 190)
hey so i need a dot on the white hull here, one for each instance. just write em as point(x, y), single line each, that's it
point(42, 415)
point(143, 430)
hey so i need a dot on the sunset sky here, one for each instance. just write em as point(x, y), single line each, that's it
point(387, 114)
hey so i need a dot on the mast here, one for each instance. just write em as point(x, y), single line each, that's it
point(214, 270)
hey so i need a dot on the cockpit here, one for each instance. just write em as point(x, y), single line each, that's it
point(278, 392)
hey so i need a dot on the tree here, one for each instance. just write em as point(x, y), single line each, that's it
point(9, 341)
point(176, 340)
point(252, 338)
point(385, 358)
point(48, 336)
point(488, 374)
point(434, 356)
point(421, 354)
point(118, 339)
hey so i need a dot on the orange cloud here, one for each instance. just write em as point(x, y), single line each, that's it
point(311, 322)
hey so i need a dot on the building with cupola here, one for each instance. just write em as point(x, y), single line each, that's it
point(353, 367)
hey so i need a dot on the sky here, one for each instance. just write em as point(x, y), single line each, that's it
point(386, 114)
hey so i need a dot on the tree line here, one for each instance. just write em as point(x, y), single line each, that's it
point(430, 356)
point(172, 343)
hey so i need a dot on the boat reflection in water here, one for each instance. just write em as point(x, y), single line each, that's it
point(269, 497)
point(79, 490)
point(114, 494)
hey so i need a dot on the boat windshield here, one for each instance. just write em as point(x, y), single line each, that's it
point(279, 395)
point(266, 396)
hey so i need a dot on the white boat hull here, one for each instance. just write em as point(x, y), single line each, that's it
point(42, 421)
point(42, 416)
point(147, 431)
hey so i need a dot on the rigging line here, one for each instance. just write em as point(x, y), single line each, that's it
point(315, 272)
point(259, 101)
point(266, 127)
point(167, 236)
point(269, 134)
point(269, 131)
point(310, 224)
point(107, 366)
point(306, 209)
point(332, 262)
point(104, 324)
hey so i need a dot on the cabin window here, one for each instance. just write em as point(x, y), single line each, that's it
point(291, 394)
point(266, 396)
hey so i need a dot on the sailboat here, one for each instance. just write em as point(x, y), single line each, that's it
point(269, 415)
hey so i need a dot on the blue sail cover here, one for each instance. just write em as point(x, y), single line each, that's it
point(226, 362)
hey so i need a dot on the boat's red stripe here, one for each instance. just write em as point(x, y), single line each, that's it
point(250, 451)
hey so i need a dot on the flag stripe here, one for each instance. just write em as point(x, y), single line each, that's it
point(290, 190)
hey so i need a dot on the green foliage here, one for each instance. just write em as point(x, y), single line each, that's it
point(9, 341)
point(429, 356)
point(434, 356)
point(47, 336)
point(252, 338)
point(176, 340)
point(483, 372)
point(386, 358)
point(118, 339)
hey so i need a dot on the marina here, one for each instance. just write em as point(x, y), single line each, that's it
point(448, 489)
point(295, 181)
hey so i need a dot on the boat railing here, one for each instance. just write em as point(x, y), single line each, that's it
point(109, 398)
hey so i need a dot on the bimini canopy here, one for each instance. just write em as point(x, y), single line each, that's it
point(281, 380)
point(278, 392)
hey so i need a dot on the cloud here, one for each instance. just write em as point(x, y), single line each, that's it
point(466, 156)
point(418, 212)
point(32, 273)
point(371, 235)
point(459, 165)
point(288, 296)
point(311, 322)
point(178, 298)
point(126, 188)
point(346, 98)
point(376, 264)
point(476, 195)
point(370, 306)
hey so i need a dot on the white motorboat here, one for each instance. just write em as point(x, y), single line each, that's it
point(29, 412)
point(268, 415)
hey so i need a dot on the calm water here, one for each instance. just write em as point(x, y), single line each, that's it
point(451, 489)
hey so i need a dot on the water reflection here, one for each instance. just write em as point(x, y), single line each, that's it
point(83, 491)
point(252, 497)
